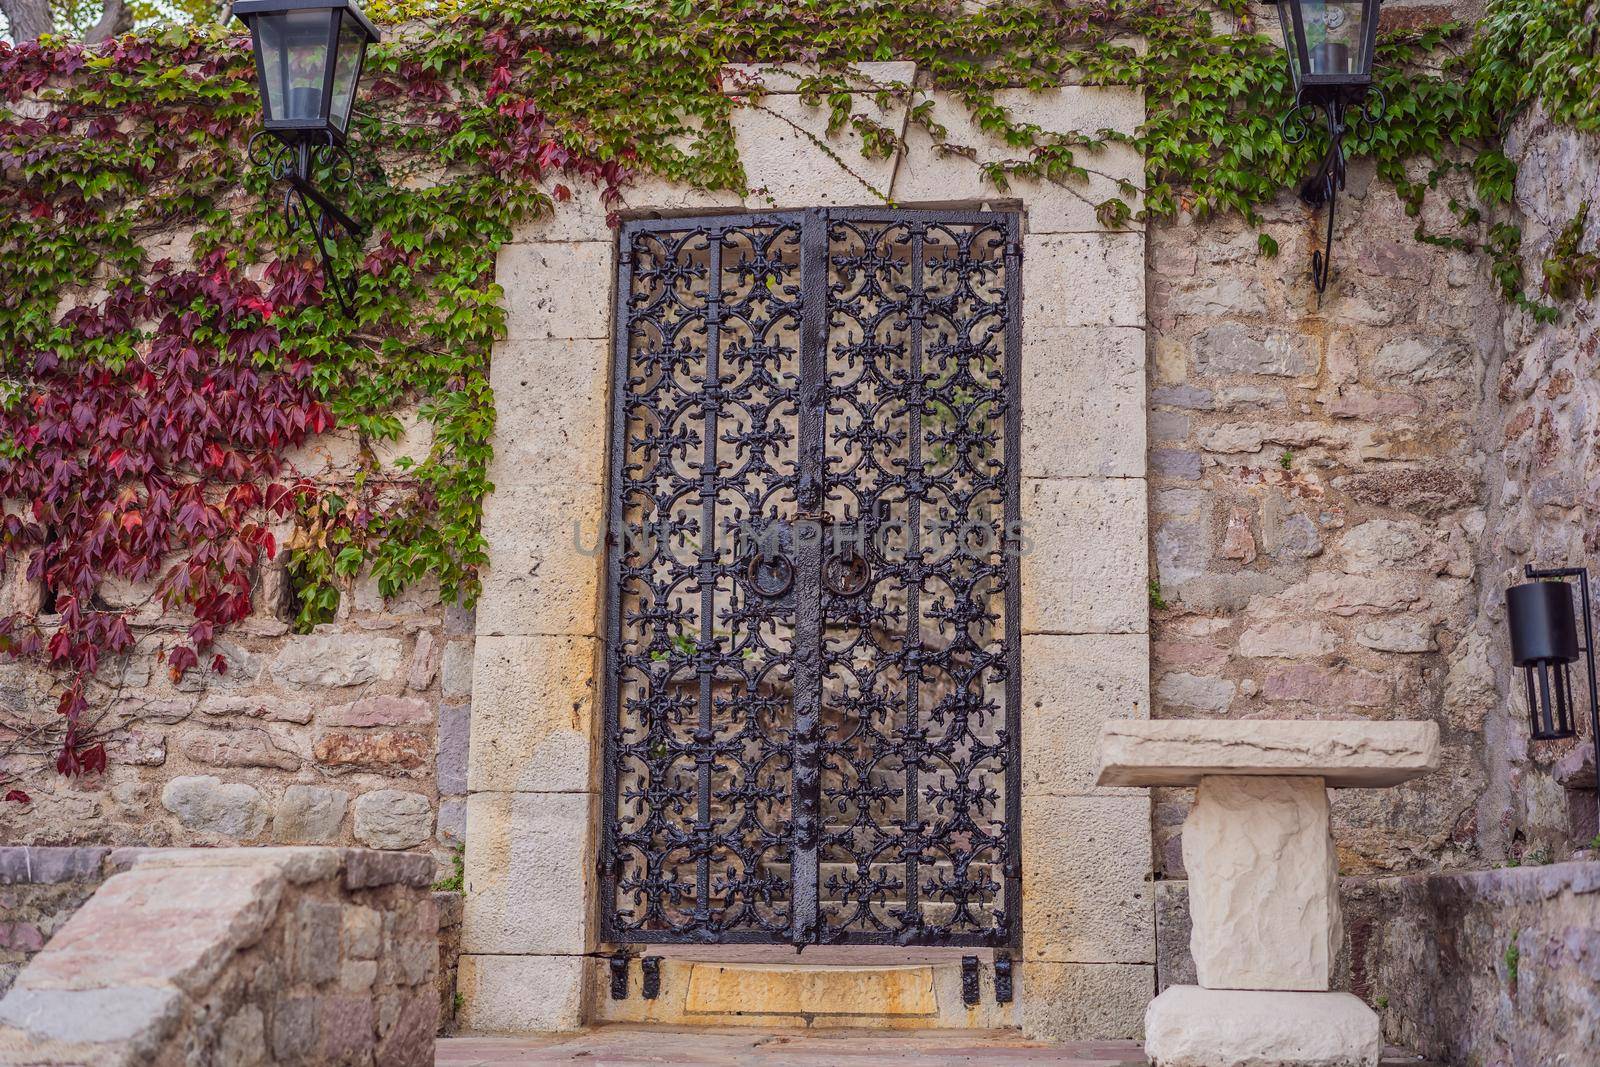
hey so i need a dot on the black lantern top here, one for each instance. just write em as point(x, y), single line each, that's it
point(1330, 45)
point(308, 62)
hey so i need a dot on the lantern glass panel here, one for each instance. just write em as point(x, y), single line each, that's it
point(294, 63)
point(1335, 37)
point(347, 70)
point(1327, 40)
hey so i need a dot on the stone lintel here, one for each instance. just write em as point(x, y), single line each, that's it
point(1187, 1026)
point(1346, 754)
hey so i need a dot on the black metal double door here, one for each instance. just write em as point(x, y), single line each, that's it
point(812, 642)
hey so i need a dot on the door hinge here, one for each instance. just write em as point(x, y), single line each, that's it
point(969, 980)
point(619, 975)
point(1002, 978)
point(650, 967)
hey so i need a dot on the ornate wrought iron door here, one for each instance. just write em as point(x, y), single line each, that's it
point(812, 660)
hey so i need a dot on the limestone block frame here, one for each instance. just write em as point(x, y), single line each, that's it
point(1088, 951)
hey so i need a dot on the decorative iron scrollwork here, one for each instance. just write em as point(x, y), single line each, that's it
point(808, 741)
point(303, 200)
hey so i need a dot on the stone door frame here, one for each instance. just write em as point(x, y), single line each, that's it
point(1086, 967)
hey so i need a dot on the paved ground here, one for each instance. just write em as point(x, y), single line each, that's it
point(616, 1046)
point(628, 1046)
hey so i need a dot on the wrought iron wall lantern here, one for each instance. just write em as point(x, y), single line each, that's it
point(1544, 644)
point(1330, 44)
point(309, 55)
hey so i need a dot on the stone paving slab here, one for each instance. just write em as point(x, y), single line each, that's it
point(625, 1046)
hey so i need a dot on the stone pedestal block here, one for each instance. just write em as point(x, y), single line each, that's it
point(1264, 883)
point(1192, 1027)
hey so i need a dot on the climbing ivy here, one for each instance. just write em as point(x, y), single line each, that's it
point(157, 393)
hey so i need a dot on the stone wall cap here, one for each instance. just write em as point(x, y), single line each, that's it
point(298, 864)
point(1346, 753)
point(50, 864)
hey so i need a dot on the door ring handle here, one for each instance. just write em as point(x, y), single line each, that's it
point(770, 576)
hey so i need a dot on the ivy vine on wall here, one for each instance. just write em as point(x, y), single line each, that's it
point(167, 346)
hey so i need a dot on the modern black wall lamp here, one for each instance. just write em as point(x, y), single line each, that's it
point(1330, 45)
point(1544, 644)
point(308, 64)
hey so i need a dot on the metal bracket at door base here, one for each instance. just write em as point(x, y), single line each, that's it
point(650, 967)
point(619, 976)
point(1002, 978)
point(969, 980)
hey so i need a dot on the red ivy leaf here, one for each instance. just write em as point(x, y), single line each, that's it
point(17, 796)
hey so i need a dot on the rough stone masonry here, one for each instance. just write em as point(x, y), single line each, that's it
point(237, 958)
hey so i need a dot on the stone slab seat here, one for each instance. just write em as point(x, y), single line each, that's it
point(1263, 881)
point(1345, 753)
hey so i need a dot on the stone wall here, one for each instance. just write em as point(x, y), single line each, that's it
point(1542, 492)
point(1315, 500)
point(238, 958)
point(40, 889)
point(1499, 966)
point(353, 734)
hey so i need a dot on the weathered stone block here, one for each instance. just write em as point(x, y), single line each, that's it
point(1263, 883)
point(1082, 280)
point(552, 289)
point(1084, 1001)
point(1072, 684)
point(521, 994)
point(388, 752)
point(1085, 565)
point(1288, 640)
point(455, 726)
point(545, 556)
point(365, 869)
point(334, 660)
point(528, 873)
point(309, 814)
point(393, 819)
point(1229, 348)
point(928, 176)
point(780, 142)
point(408, 1040)
point(219, 909)
point(245, 747)
point(1086, 892)
point(532, 714)
point(1083, 401)
point(550, 411)
point(361, 929)
point(1191, 1027)
point(1344, 753)
point(121, 1015)
point(346, 1029)
point(731, 989)
point(379, 710)
point(314, 941)
point(294, 1028)
point(204, 803)
point(49, 865)
point(1174, 960)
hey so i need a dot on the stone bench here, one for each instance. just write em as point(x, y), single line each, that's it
point(1263, 880)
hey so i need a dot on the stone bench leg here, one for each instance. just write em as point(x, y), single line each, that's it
point(1264, 899)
